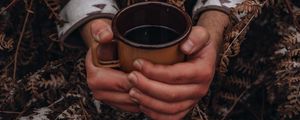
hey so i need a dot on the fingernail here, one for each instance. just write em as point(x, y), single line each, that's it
point(138, 64)
point(134, 92)
point(98, 35)
point(135, 100)
point(188, 46)
point(132, 78)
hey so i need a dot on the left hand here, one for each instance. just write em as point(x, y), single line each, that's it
point(169, 91)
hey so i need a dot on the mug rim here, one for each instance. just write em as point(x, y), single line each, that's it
point(157, 46)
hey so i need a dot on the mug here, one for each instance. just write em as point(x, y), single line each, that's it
point(149, 30)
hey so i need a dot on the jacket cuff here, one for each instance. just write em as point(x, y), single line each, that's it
point(218, 5)
point(78, 12)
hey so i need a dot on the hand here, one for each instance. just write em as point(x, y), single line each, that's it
point(169, 91)
point(108, 85)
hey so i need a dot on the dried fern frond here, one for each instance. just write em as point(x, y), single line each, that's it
point(199, 113)
point(241, 83)
point(291, 109)
point(236, 34)
point(55, 81)
point(7, 89)
point(28, 48)
point(34, 80)
point(54, 7)
point(5, 43)
point(249, 6)
point(73, 112)
point(285, 91)
point(32, 84)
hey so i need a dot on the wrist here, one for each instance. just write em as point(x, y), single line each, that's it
point(215, 22)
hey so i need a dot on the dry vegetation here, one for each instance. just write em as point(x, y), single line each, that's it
point(258, 76)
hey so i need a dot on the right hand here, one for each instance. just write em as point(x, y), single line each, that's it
point(108, 85)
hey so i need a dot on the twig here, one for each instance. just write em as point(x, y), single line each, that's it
point(52, 10)
point(57, 101)
point(9, 112)
point(20, 39)
point(236, 37)
point(234, 104)
point(8, 6)
point(200, 112)
point(244, 28)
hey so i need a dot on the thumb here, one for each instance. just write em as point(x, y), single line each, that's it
point(101, 30)
point(198, 38)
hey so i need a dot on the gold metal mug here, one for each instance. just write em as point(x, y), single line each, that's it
point(141, 14)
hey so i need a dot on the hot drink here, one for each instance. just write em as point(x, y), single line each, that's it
point(151, 35)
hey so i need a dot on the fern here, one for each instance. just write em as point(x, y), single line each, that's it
point(54, 7)
point(199, 113)
point(291, 108)
point(5, 44)
point(55, 81)
point(287, 74)
point(73, 112)
point(32, 84)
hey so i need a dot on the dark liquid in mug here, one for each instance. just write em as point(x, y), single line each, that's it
point(151, 35)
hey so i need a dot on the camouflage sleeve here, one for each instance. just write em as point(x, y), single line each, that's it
point(78, 12)
point(220, 5)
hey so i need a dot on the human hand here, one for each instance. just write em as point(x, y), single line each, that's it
point(108, 85)
point(169, 91)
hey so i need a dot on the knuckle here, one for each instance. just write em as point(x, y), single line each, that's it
point(198, 29)
point(191, 74)
point(122, 86)
point(172, 96)
point(175, 109)
point(92, 83)
point(207, 75)
point(182, 75)
point(99, 96)
point(201, 32)
point(203, 92)
point(146, 69)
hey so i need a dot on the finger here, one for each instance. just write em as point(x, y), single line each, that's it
point(198, 38)
point(160, 106)
point(101, 30)
point(113, 97)
point(197, 71)
point(105, 78)
point(124, 107)
point(159, 116)
point(90, 67)
point(166, 92)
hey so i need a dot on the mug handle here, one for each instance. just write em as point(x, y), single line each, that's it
point(111, 60)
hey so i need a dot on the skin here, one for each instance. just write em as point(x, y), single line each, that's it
point(163, 92)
